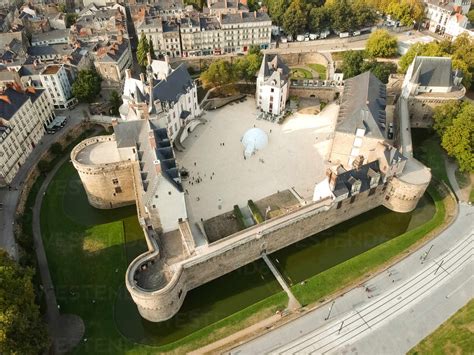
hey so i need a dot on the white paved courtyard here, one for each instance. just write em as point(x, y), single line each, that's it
point(294, 157)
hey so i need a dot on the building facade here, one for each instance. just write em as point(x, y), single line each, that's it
point(441, 15)
point(57, 80)
point(272, 85)
point(24, 112)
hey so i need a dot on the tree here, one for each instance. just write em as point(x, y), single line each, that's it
point(342, 16)
point(86, 87)
point(406, 11)
point(115, 103)
point(444, 116)
point(62, 8)
point(470, 16)
point(276, 9)
point(458, 139)
point(44, 166)
point(21, 329)
point(294, 19)
point(364, 15)
point(352, 63)
point(319, 19)
point(219, 73)
point(247, 67)
point(381, 70)
point(71, 19)
point(143, 49)
point(56, 148)
point(151, 49)
point(381, 44)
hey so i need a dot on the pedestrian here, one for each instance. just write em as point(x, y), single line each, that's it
point(194, 163)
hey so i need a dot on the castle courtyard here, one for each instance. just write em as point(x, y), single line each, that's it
point(219, 175)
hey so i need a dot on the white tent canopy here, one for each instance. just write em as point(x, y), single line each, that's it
point(254, 139)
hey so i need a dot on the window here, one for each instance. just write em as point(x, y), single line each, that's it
point(339, 204)
point(115, 181)
point(272, 90)
point(387, 197)
point(118, 189)
point(372, 191)
point(353, 198)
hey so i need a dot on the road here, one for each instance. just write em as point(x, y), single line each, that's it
point(393, 311)
point(9, 198)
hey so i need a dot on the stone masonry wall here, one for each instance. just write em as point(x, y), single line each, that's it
point(403, 197)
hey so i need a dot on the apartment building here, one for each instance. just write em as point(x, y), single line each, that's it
point(439, 12)
point(112, 58)
point(272, 85)
point(23, 114)
point(57, 80)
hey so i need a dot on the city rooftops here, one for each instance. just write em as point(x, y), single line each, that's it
point(255, 16)
point(51, 69)
point(13, 98)
point(50, 36)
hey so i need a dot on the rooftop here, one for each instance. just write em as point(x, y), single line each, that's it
point(99, 153)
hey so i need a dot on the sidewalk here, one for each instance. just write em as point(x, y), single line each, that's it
point(415, 315)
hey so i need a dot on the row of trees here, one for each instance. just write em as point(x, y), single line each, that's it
point(222, 72)
point(299, 16)
point(356, 62)
point(461, 51)
point(454, 124)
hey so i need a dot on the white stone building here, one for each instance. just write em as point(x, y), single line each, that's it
point(23, 115)
point(430, 75)
point(57, 80)
point(272, 85)
point(164, 93)
point(439, 13)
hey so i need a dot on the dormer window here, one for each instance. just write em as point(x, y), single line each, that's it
point(355, 185)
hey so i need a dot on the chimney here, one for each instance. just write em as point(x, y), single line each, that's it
point(148, 57)
point(128, 73)
point(332, 176)
point(157, 166)
point(151, 139)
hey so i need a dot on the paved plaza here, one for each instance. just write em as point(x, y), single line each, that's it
point(294, 158)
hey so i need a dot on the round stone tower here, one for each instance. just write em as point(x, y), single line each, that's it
point(107, 179)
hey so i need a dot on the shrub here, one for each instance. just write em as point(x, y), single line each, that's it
point(44, 166)
point(256, 214)
point(240, 217)
point(56, 148)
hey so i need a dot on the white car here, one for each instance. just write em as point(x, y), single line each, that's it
point(300, 38)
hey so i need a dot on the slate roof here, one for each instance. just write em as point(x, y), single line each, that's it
point(432, 71)
point(175, 85)
point(345, 180)
point(50, 35)
point(363, 106)
point(270, 63)
point(17, 100)
point(246, 17)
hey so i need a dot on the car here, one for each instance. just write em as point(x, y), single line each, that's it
point(313, 36)
point(300, 38)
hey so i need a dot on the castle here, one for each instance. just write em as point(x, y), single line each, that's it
point(335, 165)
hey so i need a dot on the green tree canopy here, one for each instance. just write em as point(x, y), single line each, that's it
point(406, 11)
point(342, 15)
point(458, 138)
point(219, 73)
point(294, 19)
point(276, 9)
point(470, 16)
point(381, 44)
point(151, 49)
point(21, 329)
point(143, 49)
point(352, 63)
point(115, 103)
point(86, 87)
point(444, 115)
point(381, 70)
point(247, 67)
point(319, 19)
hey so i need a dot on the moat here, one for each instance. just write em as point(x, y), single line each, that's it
point(225, 295)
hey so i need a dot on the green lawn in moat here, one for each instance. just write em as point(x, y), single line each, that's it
point(320, 69)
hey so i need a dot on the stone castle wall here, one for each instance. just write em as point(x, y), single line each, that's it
point(107, 185)
point(402, 196)
point(240, 249)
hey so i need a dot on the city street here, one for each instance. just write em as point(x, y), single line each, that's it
point(393, 311)
point(9, 198)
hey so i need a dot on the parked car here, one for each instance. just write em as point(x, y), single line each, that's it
point(284, 40)
point(356, 33)
point(313, 36)
point(300, 38)
point(343, 34)
point(324, 34)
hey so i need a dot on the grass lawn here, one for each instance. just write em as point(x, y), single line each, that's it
point(320, 69)
point(427, 149)
point(88, 252)
point(471, 196)
point(300, 73)
point(341, 275)
point(455, 336)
